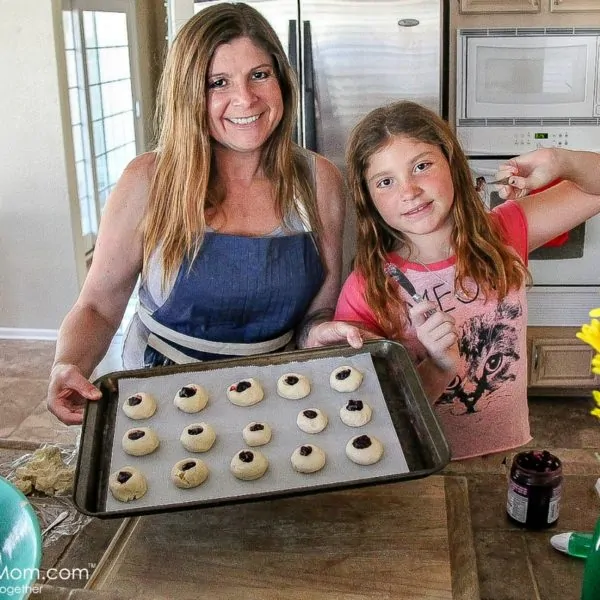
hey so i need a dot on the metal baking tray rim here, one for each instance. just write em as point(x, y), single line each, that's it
point(430, 433)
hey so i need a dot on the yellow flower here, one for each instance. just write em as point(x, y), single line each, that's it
point(590, 334)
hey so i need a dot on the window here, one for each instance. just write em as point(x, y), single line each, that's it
point(104, 111)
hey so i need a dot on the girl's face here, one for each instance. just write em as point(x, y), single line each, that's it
point(411, 187)
point(244, 98)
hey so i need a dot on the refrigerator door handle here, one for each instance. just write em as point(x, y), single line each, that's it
point(310, 121)
point(293, 58)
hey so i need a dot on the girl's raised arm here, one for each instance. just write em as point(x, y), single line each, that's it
point(561, 207)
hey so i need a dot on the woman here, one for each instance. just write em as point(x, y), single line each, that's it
point(235, 231)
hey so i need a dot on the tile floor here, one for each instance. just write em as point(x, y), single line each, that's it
point(24, 370)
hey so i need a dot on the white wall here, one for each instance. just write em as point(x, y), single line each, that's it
point(39, 278)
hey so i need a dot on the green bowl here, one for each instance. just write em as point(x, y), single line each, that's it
point(20, 543)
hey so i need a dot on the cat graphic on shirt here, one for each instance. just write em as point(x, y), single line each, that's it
point(488, 348)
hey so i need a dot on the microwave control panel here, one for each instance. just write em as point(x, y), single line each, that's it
point(517, 140)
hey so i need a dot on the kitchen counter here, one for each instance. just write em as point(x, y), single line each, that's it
point(445, 536)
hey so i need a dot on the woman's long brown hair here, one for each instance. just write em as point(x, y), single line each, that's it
point(481, 253)
point(185, 182)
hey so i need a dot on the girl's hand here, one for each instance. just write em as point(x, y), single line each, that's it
point(337, 332)
point(437, 333)
point(530, 172)
point(68, 392)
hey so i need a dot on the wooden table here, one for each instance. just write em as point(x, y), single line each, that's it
point(385, 541)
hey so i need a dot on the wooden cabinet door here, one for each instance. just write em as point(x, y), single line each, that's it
point(574, 5)
point(501, 6)
point(564, 363)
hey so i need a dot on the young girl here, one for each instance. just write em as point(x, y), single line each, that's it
point(418, 209)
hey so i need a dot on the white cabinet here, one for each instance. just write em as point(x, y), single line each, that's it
point(574, 5)
point(502, 6)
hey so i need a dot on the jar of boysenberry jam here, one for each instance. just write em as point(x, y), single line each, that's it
point(534, 489)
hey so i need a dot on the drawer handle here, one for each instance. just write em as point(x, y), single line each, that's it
point(536, 358)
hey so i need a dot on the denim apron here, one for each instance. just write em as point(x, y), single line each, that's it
point(239, 297)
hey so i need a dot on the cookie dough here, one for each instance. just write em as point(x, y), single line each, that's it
point(45, 471)
point(364, 449)
point(257, 434)
point(191, 398)
point(139, 406)
point(293, 386)
point(128, 483)
point(189, 473)
point(140, 441)
point(312, 420)
point(355, 413)
point(245, 392)
point(198, 437)
point(249, 464)
point(345, 379)
point(308, 458)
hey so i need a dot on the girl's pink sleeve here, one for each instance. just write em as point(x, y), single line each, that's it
point(511, 218)
point(352, 306)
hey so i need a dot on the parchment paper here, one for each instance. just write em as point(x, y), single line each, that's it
point(229, 420)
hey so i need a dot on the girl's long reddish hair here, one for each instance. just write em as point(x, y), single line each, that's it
point(481, 253)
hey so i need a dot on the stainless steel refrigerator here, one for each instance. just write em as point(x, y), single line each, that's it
point(352, 56)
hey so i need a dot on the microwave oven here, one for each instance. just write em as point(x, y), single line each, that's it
point(531, 87)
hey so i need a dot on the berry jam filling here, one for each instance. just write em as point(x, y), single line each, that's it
point(310, 414)
point(136, 434)
point(340, 375)
point(134, 400)
point(246, 456)
point(291, 380)
point(305, 450)
point(188, 465)
point(540, 461)
point(362, 442)
point(241, 386)
point(123, 476)
point(187, 392)
point(354, 405)
point(257, 427)
point(195, 430)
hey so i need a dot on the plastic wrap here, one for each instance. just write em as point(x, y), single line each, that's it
point(46, 476)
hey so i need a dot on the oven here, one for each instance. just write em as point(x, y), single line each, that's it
point(565, 272)
point(518, 89)
point(570, 259)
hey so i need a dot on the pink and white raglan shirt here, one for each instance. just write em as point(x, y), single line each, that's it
point(484, 409)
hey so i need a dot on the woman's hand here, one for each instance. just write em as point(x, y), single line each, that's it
point(328, 333)
point(437, 333)
point(68, 392)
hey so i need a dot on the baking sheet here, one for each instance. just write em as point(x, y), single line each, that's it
point(229, 420)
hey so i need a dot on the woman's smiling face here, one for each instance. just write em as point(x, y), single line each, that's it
point(411, 186)
point(244, 98)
